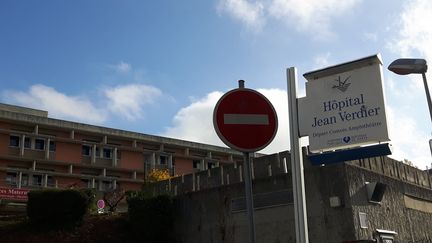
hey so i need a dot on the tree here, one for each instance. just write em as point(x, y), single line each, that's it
point(158, 175)
point(113, 197)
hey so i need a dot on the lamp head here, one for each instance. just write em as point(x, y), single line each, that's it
point(404, 66)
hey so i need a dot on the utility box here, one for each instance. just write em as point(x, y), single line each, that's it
point(385, 236)
point(375, 191)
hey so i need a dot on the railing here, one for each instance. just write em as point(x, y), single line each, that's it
point(265, 166)
point(277, 164)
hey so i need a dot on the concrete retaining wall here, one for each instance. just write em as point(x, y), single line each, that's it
point(277, 164)
point(210, 204)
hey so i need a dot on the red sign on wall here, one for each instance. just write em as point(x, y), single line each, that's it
point(13, 194)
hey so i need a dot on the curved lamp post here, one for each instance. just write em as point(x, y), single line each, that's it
point(406, 66)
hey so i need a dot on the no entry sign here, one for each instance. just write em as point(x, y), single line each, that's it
point(245, 120)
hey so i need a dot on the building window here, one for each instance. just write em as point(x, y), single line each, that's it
point(107, 153)
point(147, 158)
point(106, 185)
point(86, 150)
point(27, 142)
point(14, 141)
point(24, 180)
point(11, 178)
point(87, 182)
point(37, 180)
point(52, 146)
point(211, 165)
point(39, 144)
point(50, 181)
point(163, 160)
point(196, 164)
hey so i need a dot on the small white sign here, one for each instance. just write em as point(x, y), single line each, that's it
point(344, 106)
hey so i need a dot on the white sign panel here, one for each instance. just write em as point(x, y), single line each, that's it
point(344, 106)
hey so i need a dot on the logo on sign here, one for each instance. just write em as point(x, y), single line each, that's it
point(342, 85)
point(346, 139)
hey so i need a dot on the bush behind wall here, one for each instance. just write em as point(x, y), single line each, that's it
point(151, 217)
point(58, 207)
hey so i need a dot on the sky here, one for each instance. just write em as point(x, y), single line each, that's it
point(159, 67)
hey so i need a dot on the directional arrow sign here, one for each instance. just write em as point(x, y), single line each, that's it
point(245, 120)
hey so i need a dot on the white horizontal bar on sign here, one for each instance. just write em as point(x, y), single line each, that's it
point(246, 119)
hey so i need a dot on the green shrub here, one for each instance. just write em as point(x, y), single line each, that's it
point(91, 199)
point(57, 207)
point(151, 218)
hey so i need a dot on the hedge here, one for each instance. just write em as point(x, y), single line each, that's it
point(151, 218)
point(58, 207)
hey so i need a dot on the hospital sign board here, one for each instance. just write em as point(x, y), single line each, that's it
point(344, 106)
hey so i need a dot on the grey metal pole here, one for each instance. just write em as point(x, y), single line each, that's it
point(427, 94)
point(249, 196)
point(248, 186)
point(430, 145)
point(296, 160)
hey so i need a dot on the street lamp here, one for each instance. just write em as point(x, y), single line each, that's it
point(406, 66)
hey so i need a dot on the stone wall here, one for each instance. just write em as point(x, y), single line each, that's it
point(210, 204)
point(214, 215)
point(264, 166)
point(279, 163)
point(392, 213)
point(395, 169)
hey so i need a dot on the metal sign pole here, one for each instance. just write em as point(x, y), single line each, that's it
point(428, 97)
point(245, 120)
point(249, 196)
point(296, 160)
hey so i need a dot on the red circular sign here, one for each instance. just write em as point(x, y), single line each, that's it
point(100, 204)
point(245, 120)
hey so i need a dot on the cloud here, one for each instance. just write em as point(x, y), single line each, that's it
point(194, 122)
point(369, 36)
point(121, 67)
point(279, 99)
point(322, 60)
point(413, 38)
point(129, 100)
point(123, 101)
point(312, 16)
point(247, 12)
point(408, 90)
point(58, 104)
point(402, 130)
point(414, 31)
